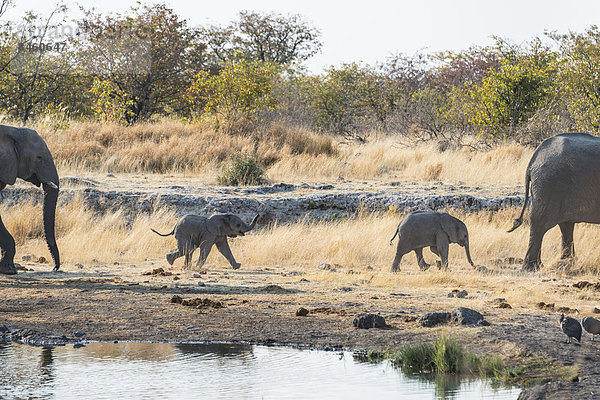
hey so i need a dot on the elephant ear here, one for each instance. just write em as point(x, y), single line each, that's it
point(8, 158)
point(217, 225)
point(450, 226)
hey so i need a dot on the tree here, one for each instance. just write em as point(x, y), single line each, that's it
point(149, 57)
point(264, 37)
point(511, 94)
point(580, 75)
point(237, 93)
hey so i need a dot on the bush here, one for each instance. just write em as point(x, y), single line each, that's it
point(244, 170)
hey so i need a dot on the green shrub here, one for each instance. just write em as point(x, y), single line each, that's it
point(244, 170)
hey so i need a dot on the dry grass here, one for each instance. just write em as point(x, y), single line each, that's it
point(171, 146)
point(360, 244)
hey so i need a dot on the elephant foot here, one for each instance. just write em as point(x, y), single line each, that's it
point(7, 268)
point(396, 269)
point(424, 266)
point(170, 259)
point(531, 266)
point(236, 265)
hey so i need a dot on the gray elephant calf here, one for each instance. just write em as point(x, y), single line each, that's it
point(193, 231)
point(427, 228)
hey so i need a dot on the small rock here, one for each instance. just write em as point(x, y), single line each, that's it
point(19, 267)
point(367, 321)
point(304, 280)
point(462, 294)
point(41, 260)
point(176, 299)
point(201, 284)
point(499, 300)
point(301, 312)
point(176, 278)
point(596, 310)
point(80, 266)
point(504, 305)
point(78, 334)
point(324, 267)
point(345, 289)
point(450, 294)
point(196, 276)
point(481, 268)
point(434, 318)
point(467, 316)
point(110, 176)
point(27, 257)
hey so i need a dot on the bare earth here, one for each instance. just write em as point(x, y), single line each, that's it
point(119, 302)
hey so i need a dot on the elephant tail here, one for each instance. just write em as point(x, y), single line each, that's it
point(393, 237)
point(163, 234)
point(519, 220)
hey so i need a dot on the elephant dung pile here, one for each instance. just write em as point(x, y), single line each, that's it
point(197, 302)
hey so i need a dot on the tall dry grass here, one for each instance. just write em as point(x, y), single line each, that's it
point(290, 154)
point(360, 244)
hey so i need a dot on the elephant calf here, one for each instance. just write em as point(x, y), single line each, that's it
point(193, 231)
point(427, 228)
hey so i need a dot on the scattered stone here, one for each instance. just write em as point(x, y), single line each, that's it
point(596, 310)
point(304, 280)
point(158, 272)
point(367, 321)
point(450, 294)
point(467, 316)
point(176, 278)
point(196, 276)
point(462, 294)
point(543, 306)
point(201, 284)
point(345, 289)
point(434, 318)
point(504, 305)
point(499, 300)
point(79, 334)
point(567, 310)
point(27, 257)
point(481, 269)
point(410, 318)
point(41, 260)
point(326, 267)
point(79, 266)
point(400, 294)
point(301, 312)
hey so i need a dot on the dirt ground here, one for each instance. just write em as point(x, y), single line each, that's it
point(120, 302)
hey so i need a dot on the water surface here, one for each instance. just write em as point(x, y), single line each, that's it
point(213, 371)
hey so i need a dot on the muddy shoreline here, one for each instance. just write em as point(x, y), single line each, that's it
point(107, 303)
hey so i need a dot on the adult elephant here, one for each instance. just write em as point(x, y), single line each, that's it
point(24, 154)
point(564, 176)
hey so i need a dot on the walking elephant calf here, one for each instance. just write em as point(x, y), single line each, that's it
point(193, 231)
point(427, 228)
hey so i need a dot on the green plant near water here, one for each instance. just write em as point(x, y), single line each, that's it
point(243, 170)
point(447, 356)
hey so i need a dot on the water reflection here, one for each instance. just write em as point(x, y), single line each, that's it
point(222, 371)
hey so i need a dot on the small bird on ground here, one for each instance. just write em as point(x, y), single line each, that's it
point(571, 327)
point(591, 325)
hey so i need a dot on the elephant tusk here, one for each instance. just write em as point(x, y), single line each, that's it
point(52, 185)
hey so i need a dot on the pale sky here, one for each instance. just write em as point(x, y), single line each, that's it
point(370, 31)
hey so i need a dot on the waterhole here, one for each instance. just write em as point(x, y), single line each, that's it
point(214, 371)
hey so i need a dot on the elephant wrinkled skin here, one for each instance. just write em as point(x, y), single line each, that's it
point(563, 176)
point(193, 231)
point(427, 228)
point(24, 154)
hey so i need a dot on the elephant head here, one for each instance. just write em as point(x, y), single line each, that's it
point(24, 154)
point(229, 225)
point(457, 233)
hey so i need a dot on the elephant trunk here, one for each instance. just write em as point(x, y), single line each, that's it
point(50, 199)
point(252, 225)
point(468, 253)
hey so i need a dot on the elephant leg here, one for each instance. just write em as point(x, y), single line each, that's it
point(400, 251)
point(533, 257)
point(420, 260)
point(568, 248)
point(223, 247)
point(205, 248)
point(7, 244)
point(442, 244)
point(171, 257)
